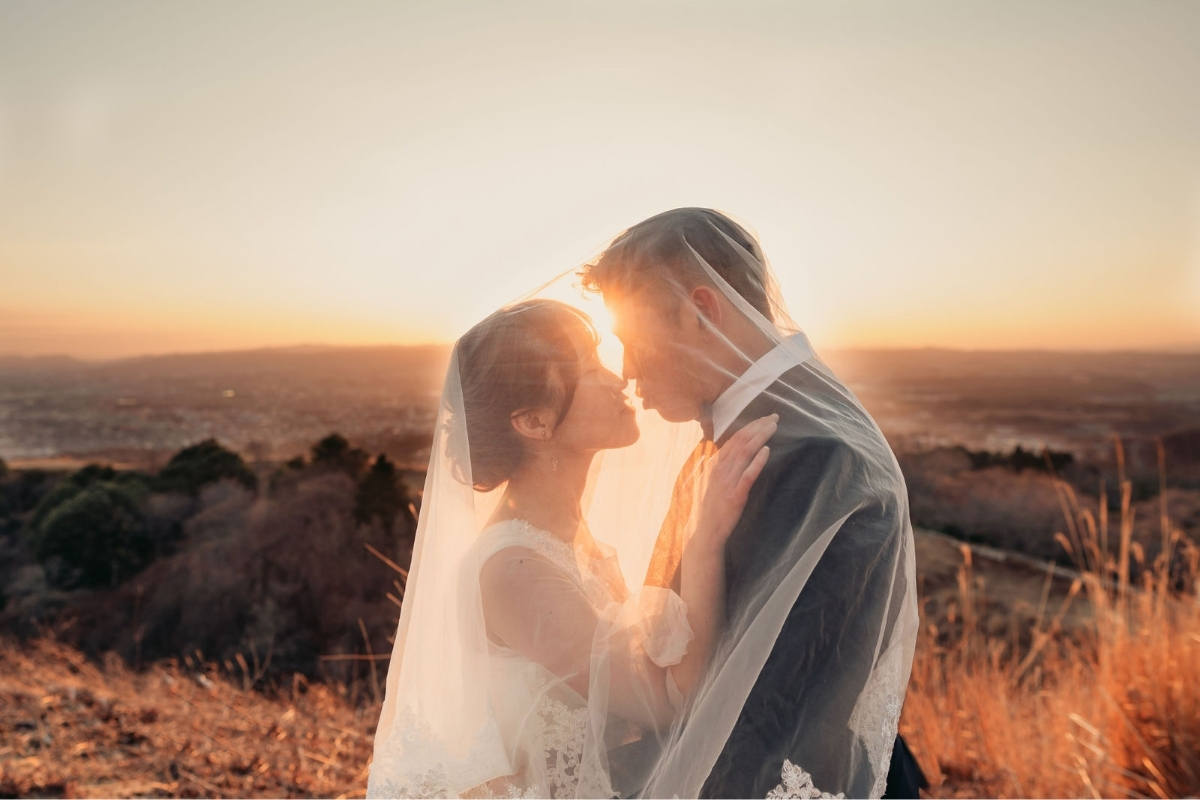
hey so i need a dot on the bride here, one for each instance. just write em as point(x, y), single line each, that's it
point(537, 406)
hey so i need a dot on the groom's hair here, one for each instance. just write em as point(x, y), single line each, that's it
point(656, 255)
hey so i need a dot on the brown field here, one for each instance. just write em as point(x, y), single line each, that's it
point(70, 728)
point(1097, 698)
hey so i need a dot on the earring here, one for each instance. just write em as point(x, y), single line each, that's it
point(554, 463)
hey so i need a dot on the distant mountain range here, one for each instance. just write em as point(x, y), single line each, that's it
point(286, 358)
point(887, 359)
point(286, 397)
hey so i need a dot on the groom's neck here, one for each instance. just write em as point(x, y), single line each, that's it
point(731, 355)
point(706, 420)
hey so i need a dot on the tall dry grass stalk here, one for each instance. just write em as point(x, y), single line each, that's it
point(1108, 709)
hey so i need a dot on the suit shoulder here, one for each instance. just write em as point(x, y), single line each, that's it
point(821, 462)
point(823, 449)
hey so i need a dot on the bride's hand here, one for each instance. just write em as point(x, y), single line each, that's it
point(737, 466)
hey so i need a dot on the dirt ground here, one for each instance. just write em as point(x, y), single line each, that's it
point(69, 728)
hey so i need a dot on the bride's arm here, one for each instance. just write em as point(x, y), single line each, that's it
point(702, 567)
point(532, 607)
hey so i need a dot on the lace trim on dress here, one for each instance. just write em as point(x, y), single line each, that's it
point(559, 728)
point(411, 742)
point(562, 736)
point(559, 553)
point(511, 791)
point(876, 715)
point(546, 543)
point(798, 783)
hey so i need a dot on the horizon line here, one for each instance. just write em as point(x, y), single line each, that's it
point(1182, 349)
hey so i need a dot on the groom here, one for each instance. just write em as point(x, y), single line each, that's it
point(696, 355)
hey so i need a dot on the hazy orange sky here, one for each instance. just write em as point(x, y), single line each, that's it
point(195, 176)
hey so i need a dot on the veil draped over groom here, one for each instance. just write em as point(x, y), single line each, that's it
point(801, 691)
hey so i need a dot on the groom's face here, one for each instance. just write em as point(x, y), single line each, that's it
point(663, 356)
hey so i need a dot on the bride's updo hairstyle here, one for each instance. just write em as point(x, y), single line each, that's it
point(525, 356)
point(656, 256)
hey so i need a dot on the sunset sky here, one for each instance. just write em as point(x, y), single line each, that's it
point(202, 176)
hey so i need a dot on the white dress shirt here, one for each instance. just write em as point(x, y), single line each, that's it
point(790, 352)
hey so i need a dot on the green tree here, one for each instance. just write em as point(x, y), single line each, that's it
point(201, 464)
point(380, 494)
point(77, 482)
point(99, 531)
point(334, 451)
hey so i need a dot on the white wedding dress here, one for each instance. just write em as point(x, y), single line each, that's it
point(540, 729)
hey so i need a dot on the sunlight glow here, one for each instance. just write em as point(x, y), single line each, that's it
point(391, 173)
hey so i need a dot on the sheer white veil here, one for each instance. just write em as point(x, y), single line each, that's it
point(821, 615)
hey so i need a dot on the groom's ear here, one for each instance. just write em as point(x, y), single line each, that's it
point(534, 423)
point(706, 301)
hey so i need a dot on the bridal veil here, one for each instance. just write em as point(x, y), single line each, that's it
point(578, 709)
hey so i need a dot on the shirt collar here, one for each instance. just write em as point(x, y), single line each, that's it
point(790, 352)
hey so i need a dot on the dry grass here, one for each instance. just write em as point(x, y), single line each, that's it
point(69, 728)
point(1111, 709)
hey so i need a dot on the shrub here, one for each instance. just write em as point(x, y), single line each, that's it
point(380, 494)
point(99, 532)
point(201, 464)
point(26, 488)
point(335, 452)
point(78, 481)
point(281, 579)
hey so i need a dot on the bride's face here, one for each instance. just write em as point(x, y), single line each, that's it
point(600, 416)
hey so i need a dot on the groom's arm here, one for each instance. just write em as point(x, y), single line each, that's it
point(806, 691)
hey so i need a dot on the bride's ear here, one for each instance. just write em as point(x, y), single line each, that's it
point(534, 423)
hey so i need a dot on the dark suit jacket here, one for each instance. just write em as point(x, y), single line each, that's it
point(840, 606)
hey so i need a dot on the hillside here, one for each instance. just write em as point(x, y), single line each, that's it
point(70, 728)
point(73, 728)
